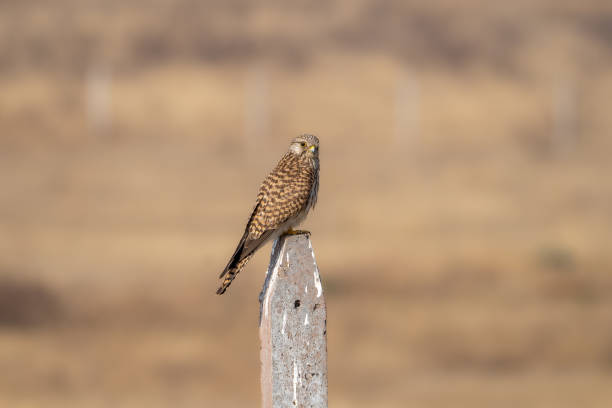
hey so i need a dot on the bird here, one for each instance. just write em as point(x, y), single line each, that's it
point(284, 199)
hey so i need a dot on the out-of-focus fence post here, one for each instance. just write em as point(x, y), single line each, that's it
point(98, 98)
point(292, 328)
point(256, 108)
point(407, 111)
point(564, 116)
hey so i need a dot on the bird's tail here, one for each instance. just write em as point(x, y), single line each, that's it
point(231, 273)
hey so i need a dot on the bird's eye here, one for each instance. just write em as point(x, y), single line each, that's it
point(303, 144)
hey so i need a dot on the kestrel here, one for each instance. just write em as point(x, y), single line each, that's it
point(284, 199)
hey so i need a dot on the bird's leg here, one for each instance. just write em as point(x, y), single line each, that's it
point(291, 231)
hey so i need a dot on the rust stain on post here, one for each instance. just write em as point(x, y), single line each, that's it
point(292, 328)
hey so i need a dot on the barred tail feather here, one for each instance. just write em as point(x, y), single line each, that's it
point(231, 273)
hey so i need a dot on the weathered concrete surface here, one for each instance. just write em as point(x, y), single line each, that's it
point(293, 329)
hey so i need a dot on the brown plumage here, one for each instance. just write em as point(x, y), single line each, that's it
point(284, 199)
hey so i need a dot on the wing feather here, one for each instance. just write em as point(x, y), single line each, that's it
point(280, 197)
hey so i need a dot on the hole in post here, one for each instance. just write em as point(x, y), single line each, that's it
point(296, 304)
point(315, 307)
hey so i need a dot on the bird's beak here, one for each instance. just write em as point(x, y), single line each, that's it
point(312, 148)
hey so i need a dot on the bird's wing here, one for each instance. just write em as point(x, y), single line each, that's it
point(246, 243)
point(278, 200)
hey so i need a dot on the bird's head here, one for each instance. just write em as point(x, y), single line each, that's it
point(305, 146)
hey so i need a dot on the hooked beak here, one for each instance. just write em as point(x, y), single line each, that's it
point(313, 148)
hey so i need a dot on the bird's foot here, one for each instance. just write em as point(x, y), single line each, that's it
point(291, 231)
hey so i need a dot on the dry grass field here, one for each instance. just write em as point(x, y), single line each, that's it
point(464, 225)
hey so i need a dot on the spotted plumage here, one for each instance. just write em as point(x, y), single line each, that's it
point(284, 199)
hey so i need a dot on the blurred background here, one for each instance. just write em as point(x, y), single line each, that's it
point(464, 223)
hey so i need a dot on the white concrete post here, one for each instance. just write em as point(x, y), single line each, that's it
point(293, 329)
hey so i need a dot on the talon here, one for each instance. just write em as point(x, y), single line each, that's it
point(291, 231)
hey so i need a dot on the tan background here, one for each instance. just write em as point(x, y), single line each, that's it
point(463, 229)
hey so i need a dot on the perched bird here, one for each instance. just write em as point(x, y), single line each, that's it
point(284, 199)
